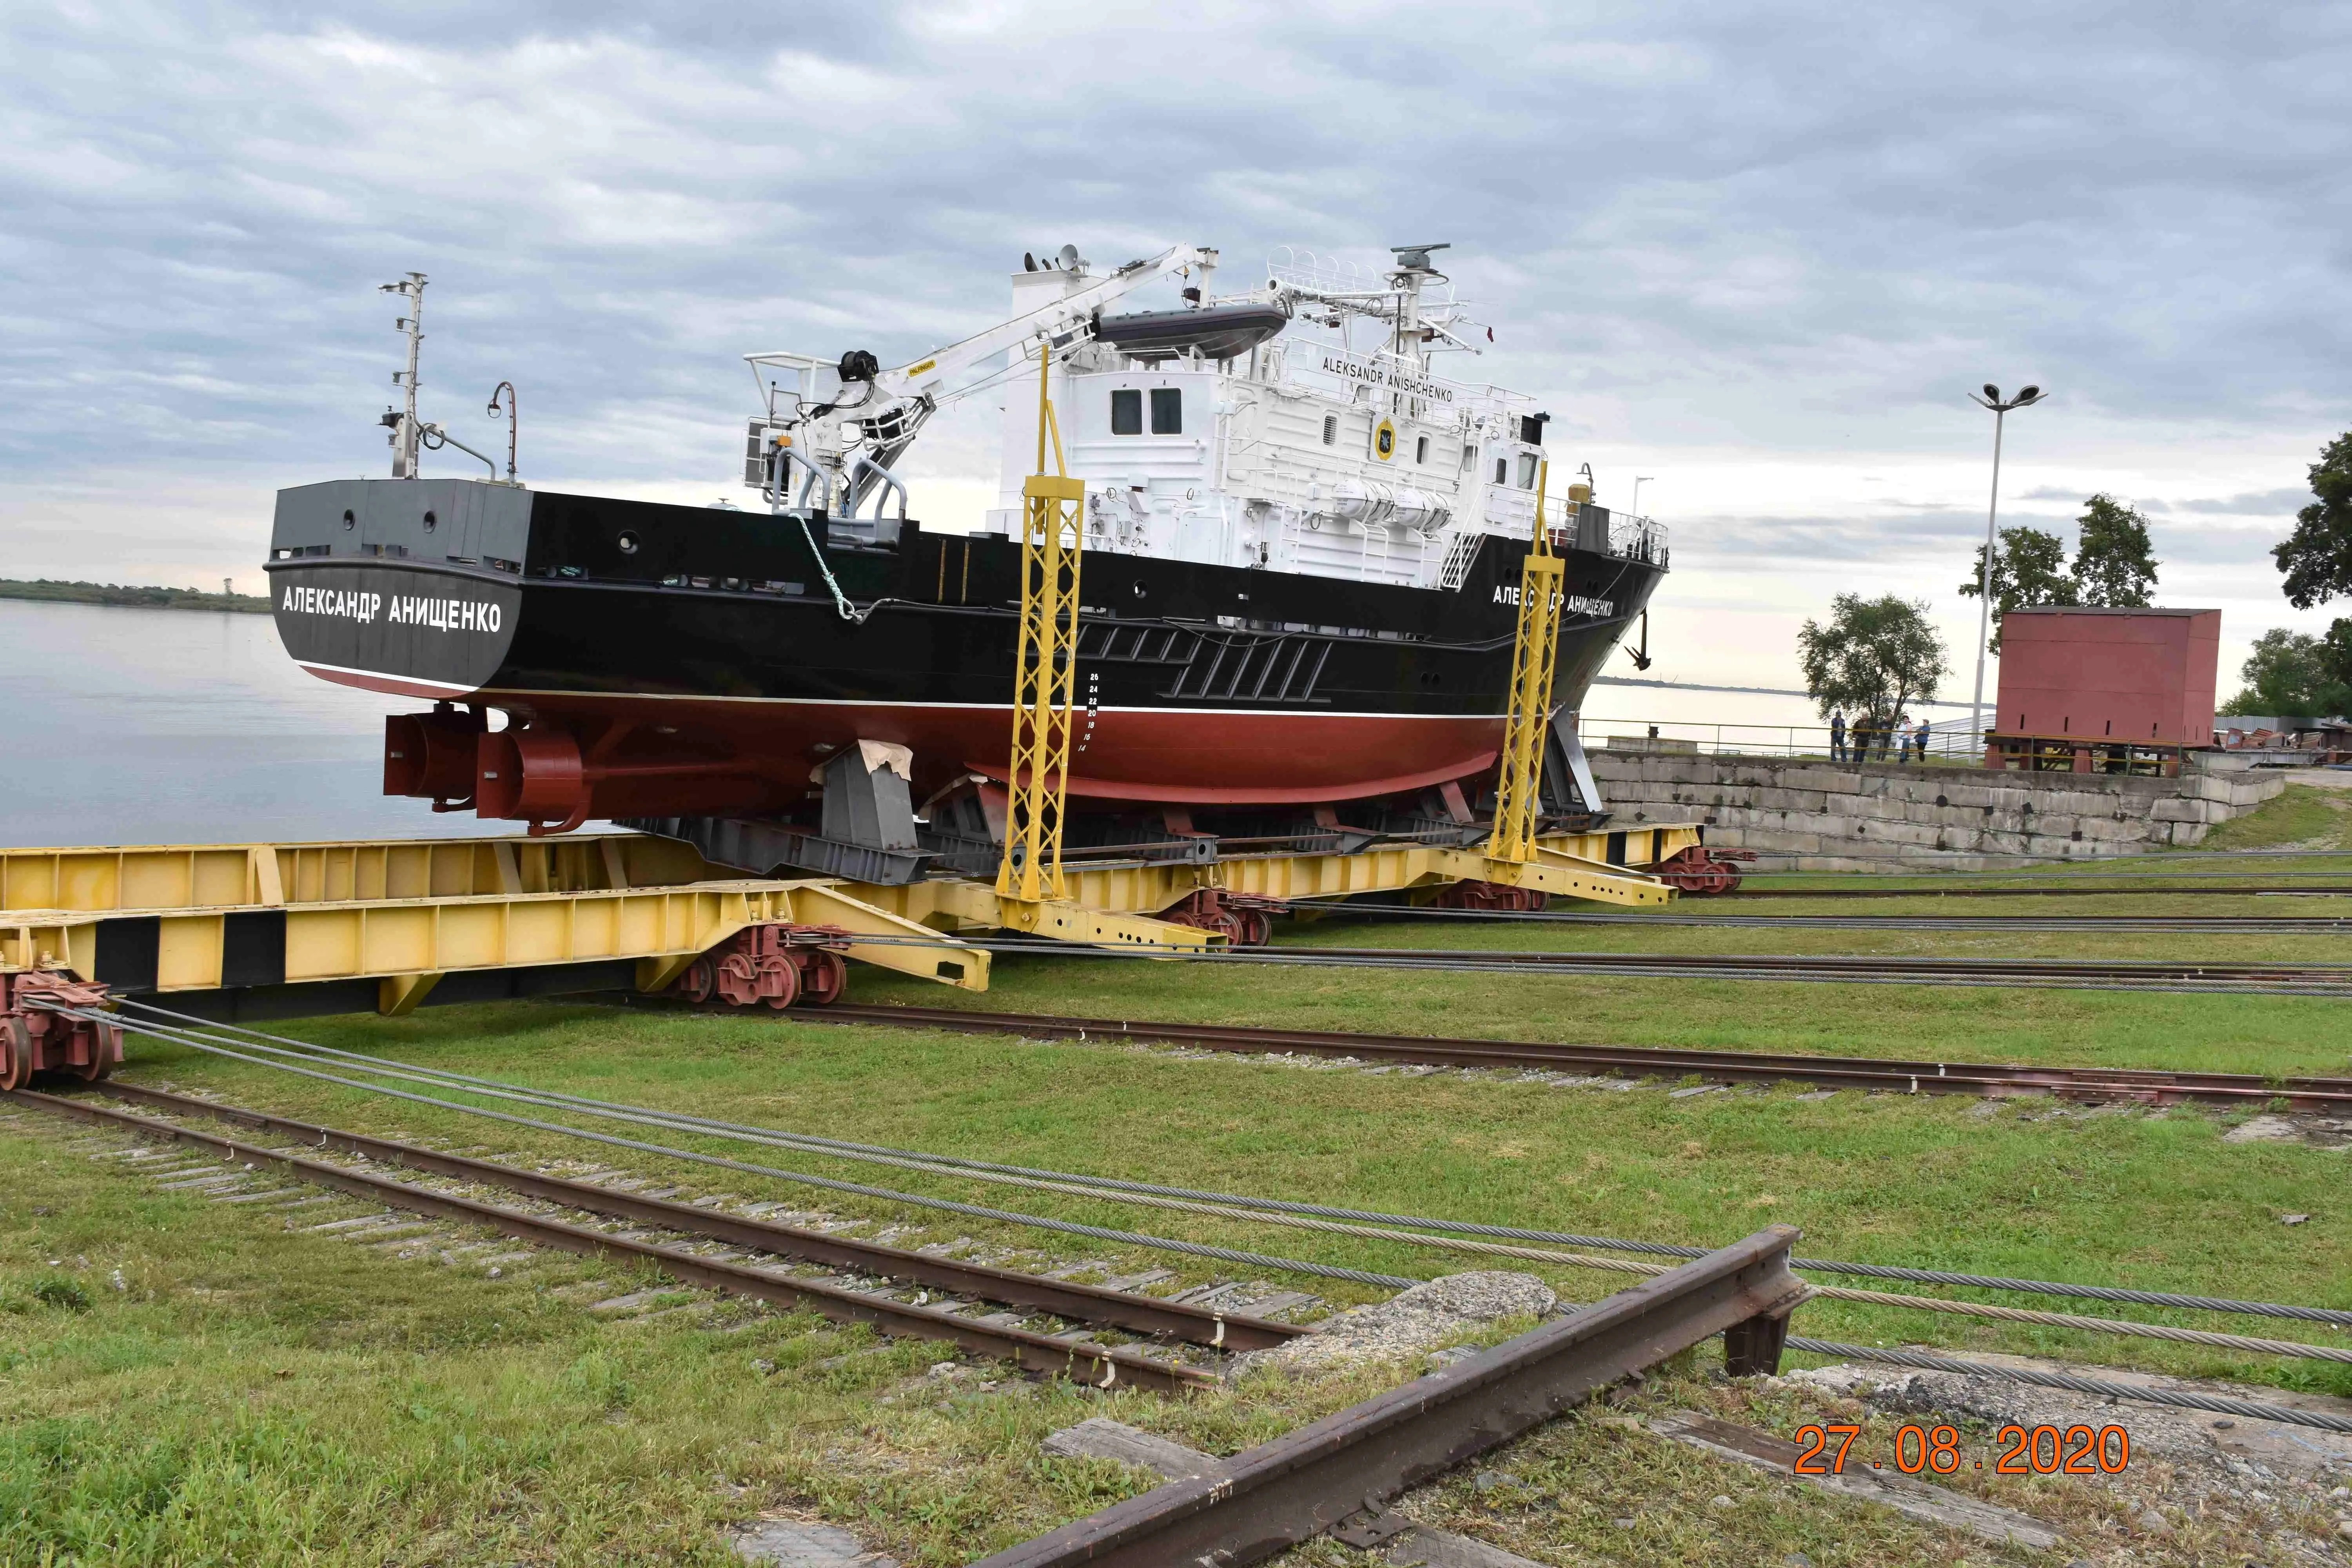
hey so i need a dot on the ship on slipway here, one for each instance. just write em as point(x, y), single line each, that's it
point(1301, 559)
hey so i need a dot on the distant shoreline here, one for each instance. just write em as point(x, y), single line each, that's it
point(45, 590)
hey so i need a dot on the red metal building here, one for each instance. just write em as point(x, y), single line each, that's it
point(2103, 690)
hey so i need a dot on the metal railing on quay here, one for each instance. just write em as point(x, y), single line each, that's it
point(1948, 741)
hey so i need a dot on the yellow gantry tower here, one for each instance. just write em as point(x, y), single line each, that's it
point(1039, 778)
point(1518, 800)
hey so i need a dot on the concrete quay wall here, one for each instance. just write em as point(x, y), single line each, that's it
point(1808, 815)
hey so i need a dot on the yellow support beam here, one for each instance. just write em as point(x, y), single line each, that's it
point(1573, 865)
point(405, 913)
point(1566, 875)
point(224, 875)
point(397, 995)
point(1037, 780)
point(408, 944)
point(1535, 654)
point(962, 905)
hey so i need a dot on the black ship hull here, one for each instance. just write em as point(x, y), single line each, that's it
point(660, 661)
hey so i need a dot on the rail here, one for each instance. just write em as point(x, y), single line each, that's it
point(1103, 1365)
point(2318, 980)
point(1345, 1467)
point(1904, 1076)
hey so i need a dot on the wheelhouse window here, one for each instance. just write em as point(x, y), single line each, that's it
point(1127, 412)
point(1421, 449)
point(1502, 471)
point(1331, 429)
point(1527, 470)
point(1167, 411)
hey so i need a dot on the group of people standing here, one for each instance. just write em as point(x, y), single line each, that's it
point(1854, 745)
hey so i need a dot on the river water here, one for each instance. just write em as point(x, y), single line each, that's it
point(194, 727)
point(131, 726)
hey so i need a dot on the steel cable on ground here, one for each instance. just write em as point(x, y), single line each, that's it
point(1277, 1211)
point(1452, 1243)
point(2181, 1399)
point(2317, 980)
point(2003, 879)
point(976, 1211)
point(2245, 925)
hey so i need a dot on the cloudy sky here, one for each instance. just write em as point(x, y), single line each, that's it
point(1755, 252)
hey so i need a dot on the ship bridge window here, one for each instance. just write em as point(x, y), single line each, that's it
point(1527, 470)
point(1421, 449)
point(1331, 429)
point(1502, 469)
point(1127, 412)
point(1167, 411)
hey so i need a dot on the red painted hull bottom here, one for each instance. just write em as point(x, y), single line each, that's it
point(617, 756)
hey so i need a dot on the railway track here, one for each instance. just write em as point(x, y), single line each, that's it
point(2216, 925)
point(2150, 885)
point(1901, 1077)
point(760, 1251)
point(2302, 979)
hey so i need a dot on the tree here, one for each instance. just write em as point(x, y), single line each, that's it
point(2297, 676)
point(2113, 565)
point(2318, 556)
point(1873, 659)
point(2028, 569)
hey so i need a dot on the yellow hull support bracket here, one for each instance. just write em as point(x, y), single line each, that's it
point(397, 995)
point(1053, 536)
point(1518, 803)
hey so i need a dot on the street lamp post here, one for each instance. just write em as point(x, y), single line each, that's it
point(1994, 400)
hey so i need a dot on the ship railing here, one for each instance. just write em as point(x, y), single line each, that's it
point(1955, 740)
point(1637, 539)
point(1301, 268)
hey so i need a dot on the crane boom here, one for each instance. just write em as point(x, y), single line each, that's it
point(922, 376)
point(1051, 321)
point(889, 407)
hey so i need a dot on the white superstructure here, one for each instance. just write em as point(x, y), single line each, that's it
point(1329, 446)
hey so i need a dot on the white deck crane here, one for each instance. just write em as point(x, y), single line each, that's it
point(844, 423)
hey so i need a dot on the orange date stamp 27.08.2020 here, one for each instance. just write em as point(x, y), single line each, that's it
point(1935, 1450)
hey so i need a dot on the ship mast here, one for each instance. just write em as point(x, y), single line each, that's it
point(1412, 268)
point(405, 428)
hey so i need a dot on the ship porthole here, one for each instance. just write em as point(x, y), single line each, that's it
point(350, 522)
point(1138, 590)
point(628, 542)
point(431, 523)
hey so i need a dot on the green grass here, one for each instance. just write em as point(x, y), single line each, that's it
point(2017, 1187)
point(2281, 1035)
point(2300, 816)
point(253, 1396)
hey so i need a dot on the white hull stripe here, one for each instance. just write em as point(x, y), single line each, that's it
point(333, 670)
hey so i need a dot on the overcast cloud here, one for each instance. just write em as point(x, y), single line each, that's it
point(1757, 252)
